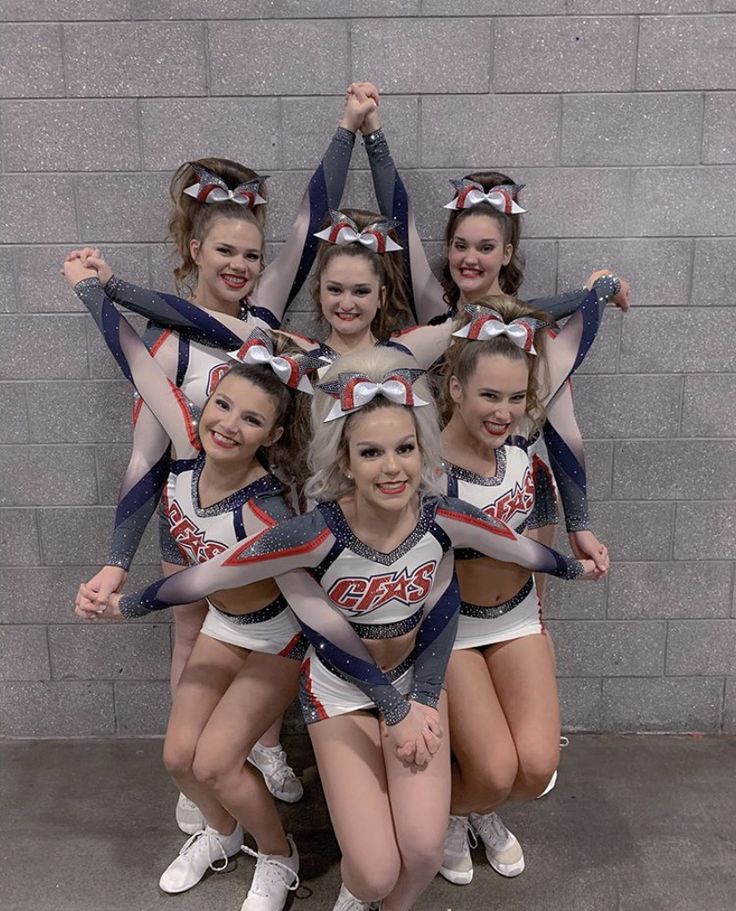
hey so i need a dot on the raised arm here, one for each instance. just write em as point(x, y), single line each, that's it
point(568, 348)
point(191, 321)
point(567, 458)
point(425, 289)
point(140, 487)
point(165, 400)
point(426, 344)
point(217, 330)
point(281, 279)
point(564, 305)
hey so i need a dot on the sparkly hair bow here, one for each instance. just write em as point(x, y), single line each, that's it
point(353, 391)
point(210, 189)
point(486, 324)
point(469, 193)
point(374, 236)
point(290, 369)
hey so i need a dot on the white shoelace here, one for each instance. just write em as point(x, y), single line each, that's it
point(195, 844)
point(458, 835)
point(494, 830)
point(277, 767)
point(267, 873)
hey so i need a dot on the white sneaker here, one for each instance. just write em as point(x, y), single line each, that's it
point(275, 876)
point(189, 817)
point(457, 864)
point(277, 773)
point(502, 847)
point(346, 901)
point(205, 850)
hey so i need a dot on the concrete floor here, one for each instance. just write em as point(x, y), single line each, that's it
point(635, 823)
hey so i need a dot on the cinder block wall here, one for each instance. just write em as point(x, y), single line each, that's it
point(621, 119)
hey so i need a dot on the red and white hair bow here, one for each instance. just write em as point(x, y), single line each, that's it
point(211, 189)
point(487, 324)
point(353, 391)
point(290, 369)
point(468, 193)
point(374, 236)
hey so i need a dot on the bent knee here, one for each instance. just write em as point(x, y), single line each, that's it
point(370, 878)
point(178, 758)
point(535, 772)
point(490, 785)
point(210, 771)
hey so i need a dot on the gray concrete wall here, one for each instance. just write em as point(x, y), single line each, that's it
point(621, 119)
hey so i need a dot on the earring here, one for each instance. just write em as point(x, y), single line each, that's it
point(349, 475)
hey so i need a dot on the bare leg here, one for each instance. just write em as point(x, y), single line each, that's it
point(523, 676)
point(209, 672)
point(353, 774)
point(420, 803)
point(486, 764)
point(259, 693)
point(188, 620)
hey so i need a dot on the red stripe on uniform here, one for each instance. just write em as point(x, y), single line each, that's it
point(237, 560)
point(181, 401)
point(306, 675)
point(260, 514)
point(290, 646)
point(159, 341)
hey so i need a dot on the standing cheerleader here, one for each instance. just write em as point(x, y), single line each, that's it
point(381, 632)
point(243, 670)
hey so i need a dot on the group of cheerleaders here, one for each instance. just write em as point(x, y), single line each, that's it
point(354, 520)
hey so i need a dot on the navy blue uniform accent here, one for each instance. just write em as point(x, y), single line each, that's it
point(182, 360)
point(149, 486)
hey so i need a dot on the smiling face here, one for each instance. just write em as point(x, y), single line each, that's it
point(237, 420)
point(228, 260)
point(350, 294)
point(492, 401)
point(477, 252)
point(384, 458)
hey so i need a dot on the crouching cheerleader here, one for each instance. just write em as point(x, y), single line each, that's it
point(380, 623)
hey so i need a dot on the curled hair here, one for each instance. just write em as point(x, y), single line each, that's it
point(463, 355)
point(329, 446)
point(279, 454)
point(192, 219)
point(395, 312)
point(511, 275)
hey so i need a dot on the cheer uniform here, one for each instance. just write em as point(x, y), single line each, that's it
point(509, 497)
point(352, 593)
point(200, 533)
